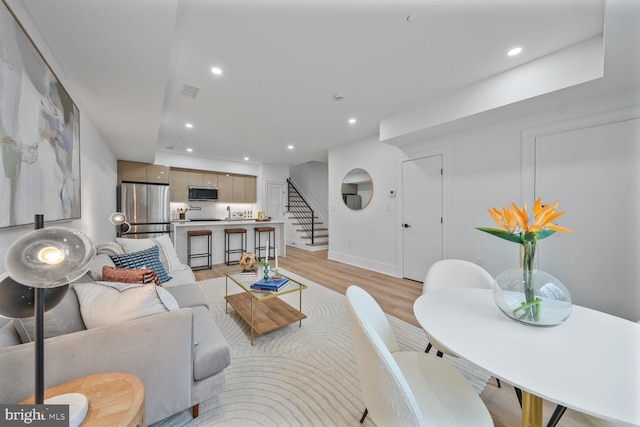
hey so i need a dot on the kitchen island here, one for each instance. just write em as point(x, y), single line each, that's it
point(198, 245)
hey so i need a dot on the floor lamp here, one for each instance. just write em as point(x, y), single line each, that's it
point(40, 265)
point(120, 221)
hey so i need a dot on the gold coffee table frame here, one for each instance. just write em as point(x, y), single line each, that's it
point(264, 311)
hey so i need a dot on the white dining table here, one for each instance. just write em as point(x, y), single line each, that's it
point(589, 363)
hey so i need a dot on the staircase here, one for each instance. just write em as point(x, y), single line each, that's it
point(306, 224)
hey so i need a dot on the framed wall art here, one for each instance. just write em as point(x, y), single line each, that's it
point(39, 133)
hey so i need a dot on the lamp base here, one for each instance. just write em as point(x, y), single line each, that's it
point(78, 406)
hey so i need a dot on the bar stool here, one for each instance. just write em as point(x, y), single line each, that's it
point(228, 250)
point(271, 240)
point(207, 254)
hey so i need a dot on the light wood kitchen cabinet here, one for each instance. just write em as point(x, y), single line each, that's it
point(210, 179)
point(225, 188)
point(132, 171)
point(231, 188)
point(250, 189)
point(195, 178)
point(244, 189)
point(179, 185)
point(238, 188)
point(142, 172)
point(158, 174)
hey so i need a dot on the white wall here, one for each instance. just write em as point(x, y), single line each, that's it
point(482, 169)
point(311, 179)
point(366, 237)
point(97, 164)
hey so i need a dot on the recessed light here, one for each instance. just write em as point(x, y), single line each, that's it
point(189, 150)
point(217, 71)
point(188, 125)
point(411, 18)
point(352, 120)
point(246, 158)
point(290, 147)
point(514, 51)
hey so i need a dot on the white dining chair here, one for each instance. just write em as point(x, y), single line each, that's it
point(406, 388)
point(452, 274)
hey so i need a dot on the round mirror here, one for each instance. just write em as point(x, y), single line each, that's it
point(357, 189)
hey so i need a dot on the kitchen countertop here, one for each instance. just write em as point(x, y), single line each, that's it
point(189, 223)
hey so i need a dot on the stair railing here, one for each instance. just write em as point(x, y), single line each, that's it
point(301, 210)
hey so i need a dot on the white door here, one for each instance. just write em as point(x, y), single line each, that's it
point(275, 200)
point(421, 215)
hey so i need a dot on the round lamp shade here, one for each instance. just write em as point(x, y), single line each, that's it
point(17, 300)
point(117, 218)
point(49, 257)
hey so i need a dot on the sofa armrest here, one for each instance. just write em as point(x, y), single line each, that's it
point(157, 349)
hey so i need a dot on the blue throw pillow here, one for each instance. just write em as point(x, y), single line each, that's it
point(148, 258)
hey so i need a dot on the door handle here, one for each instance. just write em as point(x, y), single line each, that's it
point(406, 225)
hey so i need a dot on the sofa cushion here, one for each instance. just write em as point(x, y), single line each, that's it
point(97, 263)
point(148, 258)
point(62, 319)
point(211, 351)
point(129, 275)
point(8, 335)
point(168, 254)
point(103, 303)
point(180, 277)
point(188, 295)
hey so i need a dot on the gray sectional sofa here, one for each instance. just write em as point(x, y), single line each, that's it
point(179, 353)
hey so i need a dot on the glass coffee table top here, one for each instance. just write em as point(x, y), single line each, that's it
point(263, 311)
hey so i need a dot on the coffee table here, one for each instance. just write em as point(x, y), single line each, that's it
point(264, 311)
point(115, 399)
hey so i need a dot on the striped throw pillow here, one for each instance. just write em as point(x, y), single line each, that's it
point(129, 275)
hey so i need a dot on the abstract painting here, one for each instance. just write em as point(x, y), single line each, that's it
point(39, 134)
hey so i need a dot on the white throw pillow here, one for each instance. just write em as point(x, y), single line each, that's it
point(168, 254)
point(99, 261)
point(166, 245)
point(104, 303)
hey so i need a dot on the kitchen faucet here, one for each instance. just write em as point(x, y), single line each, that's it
point(228, 213)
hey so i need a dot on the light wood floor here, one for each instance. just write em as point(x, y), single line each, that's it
point(396, 297)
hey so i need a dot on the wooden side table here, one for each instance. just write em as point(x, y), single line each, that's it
point(115, 399)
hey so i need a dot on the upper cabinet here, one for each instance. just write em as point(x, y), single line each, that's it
point(210, 179)
point(142, 172)
point(179, 185)
point(231, 188)
point(250, 188)
point(244, 189)
point(225, 188)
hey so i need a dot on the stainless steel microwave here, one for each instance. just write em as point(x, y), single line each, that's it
point(203, 193)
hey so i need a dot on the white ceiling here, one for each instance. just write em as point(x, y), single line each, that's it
point(283, 61)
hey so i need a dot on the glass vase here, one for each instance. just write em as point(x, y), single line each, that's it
point(530, 295)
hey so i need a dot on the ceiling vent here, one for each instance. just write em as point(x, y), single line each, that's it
point(190, 91)
point(170, 147)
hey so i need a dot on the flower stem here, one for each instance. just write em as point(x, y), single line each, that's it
point(532, 305)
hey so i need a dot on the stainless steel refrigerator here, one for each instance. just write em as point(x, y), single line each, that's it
point(147, 208)
point(352, 201)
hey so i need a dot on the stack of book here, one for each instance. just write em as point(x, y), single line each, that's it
point(249, 274)
point(271, 285)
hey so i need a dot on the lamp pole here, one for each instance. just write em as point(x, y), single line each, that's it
point(39, 321)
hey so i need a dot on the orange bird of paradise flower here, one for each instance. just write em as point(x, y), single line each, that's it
point(517, 226)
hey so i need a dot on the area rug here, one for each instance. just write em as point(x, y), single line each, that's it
point(295, 376)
